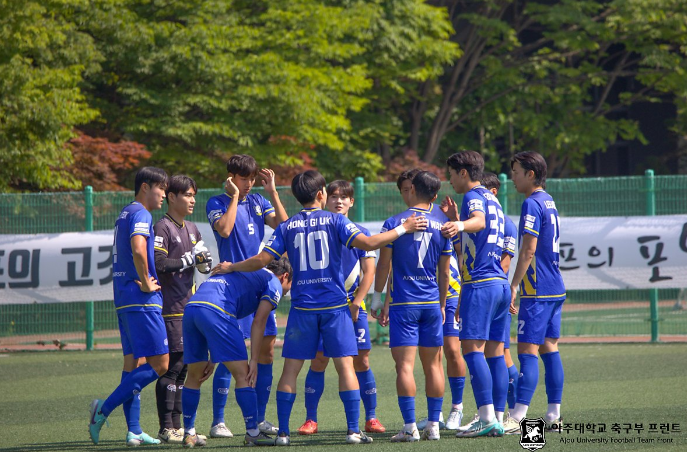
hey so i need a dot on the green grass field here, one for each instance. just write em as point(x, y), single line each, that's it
point(45, 396)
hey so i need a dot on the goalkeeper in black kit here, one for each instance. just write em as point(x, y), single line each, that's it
point(179, 249)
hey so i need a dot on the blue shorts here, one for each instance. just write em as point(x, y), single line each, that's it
point(451, 327)
point(415, 327)
point(246, 323)
point(143, 333)
point(506, 331)
point(210, 330)
point(538, 320)
point(483, 311)
point(362, 333)
point(334, 327)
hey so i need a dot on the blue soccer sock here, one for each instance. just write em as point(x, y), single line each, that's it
point(407, 406)
point(314, 387)
point(189, 406)
point(132, 411)
point(368, 393)
point(220, 392)
point(512, 385)
point(351, 402)
point(284, 406)
point(434, 408)
point(263, 386)
point(132, 385)
point(529, 377)
point(457, 385)
point(480, 377)
point(554, 376)
point(499, 379)
point(248, 402)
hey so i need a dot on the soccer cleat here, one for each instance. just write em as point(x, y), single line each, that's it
point(358, 438)
point(282, 440)
point(308, 428)
point(455, 417)
point(554, 426)
point(97, 421)
point(134, 440)
point(268, 428)
point(220, 431)
point(180, 432)
point(406, 437)
point(511, 426)
point(374, 426)
point(193, 441)
point(431, 433)
point(259, 440)
point(481, 428)
point(170, 436)
point(462, 428)
point(423, 422)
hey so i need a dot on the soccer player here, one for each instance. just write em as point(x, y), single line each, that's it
point(542, 291)
point(210, 324)
point(238, 218)
point(354, 261)
point(455, 365)
point(138, 303)
point(484, 299)
point(313, 238)
point(415, 309)
point(179, 250)
point(510, 237)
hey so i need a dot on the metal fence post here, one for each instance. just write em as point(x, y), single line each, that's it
point(651, 211)
point(90, 308)
point(359, 194)
point(503, 193)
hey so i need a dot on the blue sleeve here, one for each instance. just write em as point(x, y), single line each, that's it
point(266, 206)
point(530, 217)
point(387, 226)
point(346, 230)
point(472, 202)
point(139, 223)
point(275, 245)
point(214, 210)
point(272, 292)
point(510, 238)
point(447, 246)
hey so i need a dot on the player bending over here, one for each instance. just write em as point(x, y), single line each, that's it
point(313, 239)
point(354, 261)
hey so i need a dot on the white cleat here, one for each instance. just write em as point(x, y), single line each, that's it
point(268, 428)
point(455, 417)
point(406, 437)
point(358, 438)
point(511, 426)
point(220, 431)
point(282, 440)
point(431, 434)
point(462, 428)
point(423, 422)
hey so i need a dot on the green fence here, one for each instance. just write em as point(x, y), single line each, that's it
point(626, 313)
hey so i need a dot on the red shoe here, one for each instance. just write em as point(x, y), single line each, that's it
point(374, 426)
point(309, 428)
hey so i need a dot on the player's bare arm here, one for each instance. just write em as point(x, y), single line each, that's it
point(252, 264)
point(279, 216)
point(444, 274)
point(225, 224)
point(140, 253)
point(505, 262)
point(475, 223)
point(412, 224)
point(381, 277)
point(257, 332)
point(367, 268)
point(525, 256)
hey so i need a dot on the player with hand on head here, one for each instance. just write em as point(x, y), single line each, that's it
point(542, 292)
point(415, 306)
point(238, 218)
point(138, 303)
point(484, 299)
point(179, 249)
point(313, 239)
point(210, 325)
point(354, 261)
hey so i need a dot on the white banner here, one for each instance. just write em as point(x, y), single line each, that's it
point(595, 253)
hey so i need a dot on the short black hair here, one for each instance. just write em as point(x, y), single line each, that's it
point(180, 183)
point(470, 161)
point(152, 176)
point(490, 180)
point(305, 186)
point(532, 161)
point(342, 186)
point(281, 266)
point(427, 185)
point(406, 175)
point(242, 165)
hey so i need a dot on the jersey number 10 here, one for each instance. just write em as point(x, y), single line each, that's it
point(307, 249)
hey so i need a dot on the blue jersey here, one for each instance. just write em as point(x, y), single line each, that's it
point(238, 294)
point(249, 227)
point(128, 296)
point(313, 238)
point(482, 250)
point(543, 280)
point(510, 238)
point(350, 261)
point(415, 260)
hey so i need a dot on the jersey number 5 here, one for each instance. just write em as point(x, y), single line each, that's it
point(308, 247)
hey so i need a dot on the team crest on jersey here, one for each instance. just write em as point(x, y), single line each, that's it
point(178, 239)
point(158, 240)
point(193, 238)
point(532, 434)
point(258, 210)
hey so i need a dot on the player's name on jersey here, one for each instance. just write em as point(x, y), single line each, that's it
point(312, 222)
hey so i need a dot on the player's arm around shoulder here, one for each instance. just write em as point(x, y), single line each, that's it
point(413, 223)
